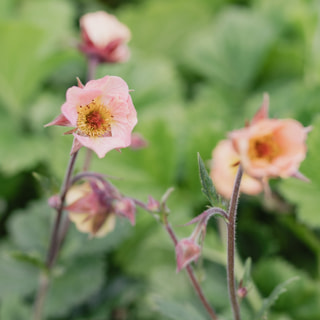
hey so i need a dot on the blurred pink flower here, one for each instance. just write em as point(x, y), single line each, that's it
point(102, 113)
point(270, 147)
point(224, 166)
point(93, 207)
point(104, 37)
point(187, 250)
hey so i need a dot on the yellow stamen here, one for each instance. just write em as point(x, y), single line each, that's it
point(263, 147)
point(94, 119)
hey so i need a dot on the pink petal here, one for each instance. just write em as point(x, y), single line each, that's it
point(60, 120)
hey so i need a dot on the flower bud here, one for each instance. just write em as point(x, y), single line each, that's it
point(54, 201)
point(242, 292)
point(187, 250)
point(104, 37)
point(126, 207)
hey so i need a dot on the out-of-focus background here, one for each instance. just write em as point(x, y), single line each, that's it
point(198, 69)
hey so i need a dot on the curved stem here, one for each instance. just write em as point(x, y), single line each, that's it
point(192, 277)
point(231, 229)
point(55, 243)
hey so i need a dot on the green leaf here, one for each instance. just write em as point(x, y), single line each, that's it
point(14, 309)
point(267, 303)
point(246, 278)
point(16, 278)
point(207, 185)
point(29, 258)
point(73, 283)
point(177, 311)
point(233, 49)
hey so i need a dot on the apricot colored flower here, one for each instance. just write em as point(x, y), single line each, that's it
point(224, 166)
point(104, 37)
point(93, 207)
point(187, 250)
point(270, 147)
point(102, 113)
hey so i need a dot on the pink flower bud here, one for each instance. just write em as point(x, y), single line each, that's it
point(242, 292)
point(153, 205)
point(138, 141)
point(186, 252)
point(54, 201)
point(104, 37)
point(126, 207)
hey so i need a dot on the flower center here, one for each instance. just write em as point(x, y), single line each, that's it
point(94, 119)
point(264, 147)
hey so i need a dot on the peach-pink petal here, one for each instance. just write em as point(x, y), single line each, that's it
point(289, 136)
point(224, 168)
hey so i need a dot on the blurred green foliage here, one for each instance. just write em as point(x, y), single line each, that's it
point(198, 69)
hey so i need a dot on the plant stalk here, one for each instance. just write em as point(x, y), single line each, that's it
point(231, 231)
point(192, 277)
point(55, 243)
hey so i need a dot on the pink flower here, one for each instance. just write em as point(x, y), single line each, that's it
point(102, 113)
point(224, 166)
point(270, 147)
point(104, 37)
point(187, 250)
point(93, 207)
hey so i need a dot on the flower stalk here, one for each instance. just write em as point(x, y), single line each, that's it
point(231, 230)
point(55, 243)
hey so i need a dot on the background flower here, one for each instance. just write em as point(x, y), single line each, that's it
point(104, 37)
point(223, 169)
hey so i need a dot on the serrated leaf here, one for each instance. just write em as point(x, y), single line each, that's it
point(246, 278)
point(208, 188)
point(267, 303)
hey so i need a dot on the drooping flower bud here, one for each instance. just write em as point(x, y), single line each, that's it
point(104, 37)
point(187, 250)
point(93, 207)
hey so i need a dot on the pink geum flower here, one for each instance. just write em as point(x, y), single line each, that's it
point(104, 37)
point(271, 147)
point(224, 166)
point(93, 207)
point(102, 113)
point(187, 250)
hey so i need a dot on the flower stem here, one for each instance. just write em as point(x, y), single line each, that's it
point(231, 230)
point(55, 243)
point(192, 277)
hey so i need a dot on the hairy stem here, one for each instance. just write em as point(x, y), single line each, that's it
point(55, 243)
point(231, 230)
point(192, 277)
